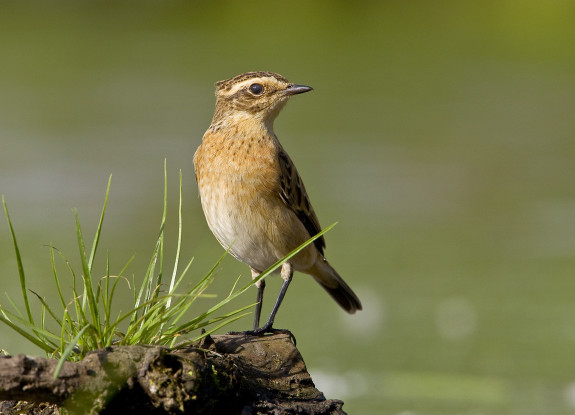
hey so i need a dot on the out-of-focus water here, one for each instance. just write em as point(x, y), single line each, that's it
point(439, 135)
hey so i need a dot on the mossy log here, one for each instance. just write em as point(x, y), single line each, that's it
point(225, 374)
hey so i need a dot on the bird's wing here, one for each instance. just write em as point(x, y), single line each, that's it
point(295, 197)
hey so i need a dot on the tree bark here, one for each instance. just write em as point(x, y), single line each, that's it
point(231, 374)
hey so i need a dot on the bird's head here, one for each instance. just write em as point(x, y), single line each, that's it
point(258, 95)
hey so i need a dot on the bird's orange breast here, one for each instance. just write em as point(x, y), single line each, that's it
point(237, 159)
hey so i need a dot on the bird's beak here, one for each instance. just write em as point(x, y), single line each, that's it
point(293, 89)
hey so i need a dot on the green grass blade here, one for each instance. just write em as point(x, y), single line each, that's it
point(146, 288)
point(69, 350)
point(32, 339)
point(56, 279)
point(47, 307)
point(99, 229)
point(21, 273)
point(14, 306)
point(106, 300)
point(178, 249)
point(40, 333)
point(87, 277)
point(162, 226)
point(66, 329)
point(200, 321)
point(182, 275)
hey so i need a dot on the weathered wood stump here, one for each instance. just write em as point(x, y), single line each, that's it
point(226, 374)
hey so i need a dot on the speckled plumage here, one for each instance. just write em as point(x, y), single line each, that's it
point(253, 198)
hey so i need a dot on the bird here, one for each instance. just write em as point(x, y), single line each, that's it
point(252, 195)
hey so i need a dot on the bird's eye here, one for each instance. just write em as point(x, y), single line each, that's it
point(256, 89)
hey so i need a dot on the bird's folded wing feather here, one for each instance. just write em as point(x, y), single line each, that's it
point(295, 197)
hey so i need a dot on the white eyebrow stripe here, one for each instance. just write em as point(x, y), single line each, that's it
point(247, 82)
point(242, 85)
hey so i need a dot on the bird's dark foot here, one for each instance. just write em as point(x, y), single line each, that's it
point(261, 331)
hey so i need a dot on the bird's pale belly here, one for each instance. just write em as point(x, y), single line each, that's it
point(256, 228)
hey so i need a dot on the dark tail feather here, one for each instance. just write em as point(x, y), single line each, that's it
point(330, 280)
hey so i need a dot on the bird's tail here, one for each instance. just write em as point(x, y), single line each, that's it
point(330, 280)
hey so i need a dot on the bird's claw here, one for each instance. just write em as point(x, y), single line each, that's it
point(265, 330)
point(262, 331)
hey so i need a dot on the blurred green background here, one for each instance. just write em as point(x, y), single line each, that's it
point(440, 135)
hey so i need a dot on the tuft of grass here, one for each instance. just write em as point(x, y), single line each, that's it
point(156, 315)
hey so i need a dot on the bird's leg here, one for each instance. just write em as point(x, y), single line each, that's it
point(286, 274)
point(261, 284)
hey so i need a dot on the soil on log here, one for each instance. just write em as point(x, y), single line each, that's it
point(225, 374)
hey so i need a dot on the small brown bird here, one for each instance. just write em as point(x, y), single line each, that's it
point(252, 195)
